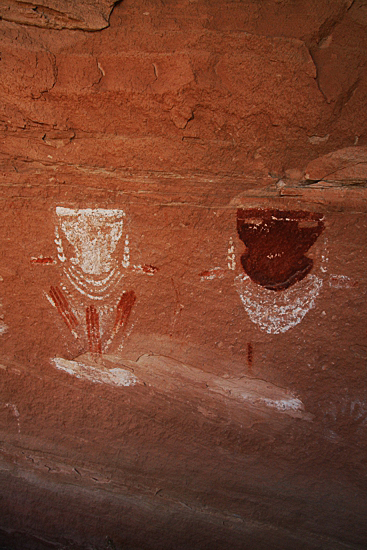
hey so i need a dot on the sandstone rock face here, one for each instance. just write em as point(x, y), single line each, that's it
point(88, 15)
point(183, 275)
point(344, 165)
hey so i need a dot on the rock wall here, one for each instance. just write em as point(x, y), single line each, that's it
point(182, 275)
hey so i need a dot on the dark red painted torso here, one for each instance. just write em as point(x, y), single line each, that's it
point(276, 243)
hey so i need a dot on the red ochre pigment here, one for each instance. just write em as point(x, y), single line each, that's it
point(92, 320)
point(124, 308)
point(63, 307)
point(250, 356)
point(151, 269)
point(42, 260)
point(276, 243)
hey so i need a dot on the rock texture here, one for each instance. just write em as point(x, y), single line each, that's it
point(223, 89)
point(183, 275)
point(89, 15)
point(347, 165)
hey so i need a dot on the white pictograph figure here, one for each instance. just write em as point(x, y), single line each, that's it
point(93, 251)
point(94, 234)
point(89, 290)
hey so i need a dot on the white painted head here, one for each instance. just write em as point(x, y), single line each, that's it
point(94, 234)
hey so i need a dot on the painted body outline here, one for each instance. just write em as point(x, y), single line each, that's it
point(89, 298)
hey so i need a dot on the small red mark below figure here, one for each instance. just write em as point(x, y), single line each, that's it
point(250, 356)
point(92, 320)
point(63, 307)
point(42, 260)
point(124, 308)
point(149, 269)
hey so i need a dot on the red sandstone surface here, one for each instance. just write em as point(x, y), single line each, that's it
point(182, 275)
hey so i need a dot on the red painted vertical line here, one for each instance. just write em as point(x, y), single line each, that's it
point(123, 310)
point(97, 336)
point(94, 338)
point(63, 307)
point(250, 356)
point(89, 332)
point(66, 307)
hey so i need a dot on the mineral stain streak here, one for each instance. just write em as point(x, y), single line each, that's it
point(276, 244)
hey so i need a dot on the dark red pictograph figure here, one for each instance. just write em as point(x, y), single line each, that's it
point(124, 308)
point(94, 337)
point(276, 243)
point(63, 307)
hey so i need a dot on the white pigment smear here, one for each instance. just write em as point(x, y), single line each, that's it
point(276, 312)
point(94, 234)
point(100, 375)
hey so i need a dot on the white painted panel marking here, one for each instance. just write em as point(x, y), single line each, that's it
point(94, 233)
point(277, 312)
point(99, 375)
